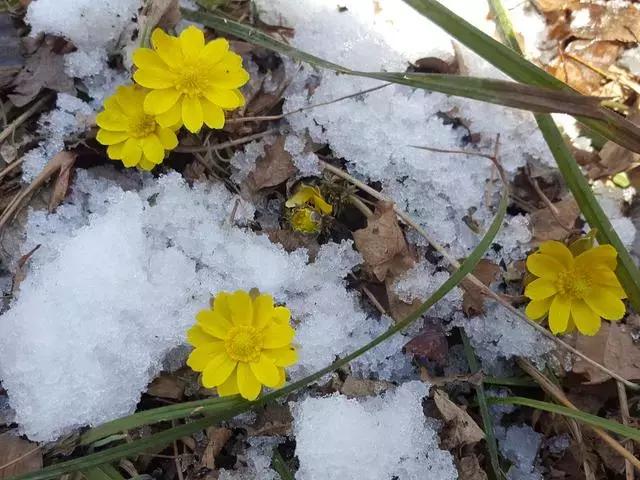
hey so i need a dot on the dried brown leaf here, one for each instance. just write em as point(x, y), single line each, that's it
point(362, 387)
point(618, 23)
point(272, 420)
point(613, 347)
point(217, 439)
point(460, 429)
point(291, 241)
point(545, 225)
point(430, 343)
point(43, 69)
point(273, 168)
point(469, 469)
point(167, 385)
point(61, 185)
point(382, 244)
point(11, 61)
point(473, 299)
point(21, 270)
point(546, 6)
point(18, 456)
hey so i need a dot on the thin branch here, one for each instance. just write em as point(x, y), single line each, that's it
point(485, 290)
point(552, 208)
point(20, 119)
point(20, 458)
point(222, 146)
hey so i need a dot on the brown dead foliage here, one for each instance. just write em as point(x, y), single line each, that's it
point(612, 22)
point(431, 343)
point(469, 468)
point(18, 456)
point(460, 429)
point(614, 347)
point(382, 244)
point(547, 226)
point(473, 299)
point(273, 168)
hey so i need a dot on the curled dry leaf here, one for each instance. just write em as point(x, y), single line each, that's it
point(613, 347)
point(608, 21)
point(61, 185)
point(473, 299)
point(20, 456)
point(167, 385)
point(460, 429)
point(273, 168)
point(382, 244)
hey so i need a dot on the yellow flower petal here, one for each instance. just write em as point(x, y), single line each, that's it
point(168, 48)
point(154, 78)
point(605, 276)
point(536, 309)
point(263, 310)
point(110, 120)
point(221, 305)
point(265, 371)
point(248, 384)
point(147, 58)
point(601, 255)
point(212, 114)
point(228, 78)
point(213, 323)
point(160, 101)
point(197, 337)
point(146, 164)
point(283, 357)
point(203, 355)
point(559, 314)
point(559, 251)
point(115, 151)
point(321, 205)
point(191, 41)
point(108, 137)
point(540, 288)
point(276, 336)
point(217, 372)
point(282, 315)
point(223, 98)
point(192, 115)
point(585, 319)
point(129, 99)
point(241, 308)
point(171, 117)
point(544, 266)
point(241, 100)
point(230, 386)
point(153, 149)
point(283, 377)
point(167, 138)
point(131, 153)
point(300, 198)
point(605, 303)
point(215, 50)
point(112, 106)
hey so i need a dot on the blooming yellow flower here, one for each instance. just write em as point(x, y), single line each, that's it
point(574, 291)
point(130, 134)
point(309, 195)
point(242, 343)
point(191, 82)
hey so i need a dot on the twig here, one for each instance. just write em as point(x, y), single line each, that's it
point(20, 119)
point(266, 118)
point(20, 458)
point(10, 167)
point(557, 393)
point(552, 208)
point(624, 413)
point(221, 146)
point(485, 290)
point(360, 205)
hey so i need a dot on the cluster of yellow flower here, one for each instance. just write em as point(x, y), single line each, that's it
point(306, 209)
point(180, 81)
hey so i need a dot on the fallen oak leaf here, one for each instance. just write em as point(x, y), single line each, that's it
point(382, 244)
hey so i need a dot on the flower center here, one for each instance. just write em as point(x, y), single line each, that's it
point(142, 126)
point(192, 79)
point(574, 283)
point(244, 344)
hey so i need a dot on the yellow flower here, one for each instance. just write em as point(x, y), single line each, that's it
point(305, 220)
point(191, 82)
point(574, 291)
point(309, 195)
point(242, 343)
point(131, 135)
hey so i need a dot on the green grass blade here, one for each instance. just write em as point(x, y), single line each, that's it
point(627, 271)
point(499, 92)
point(490, 438)
point(614, 127)
point(580, 416)
point(166, 437)
point(103, 472)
